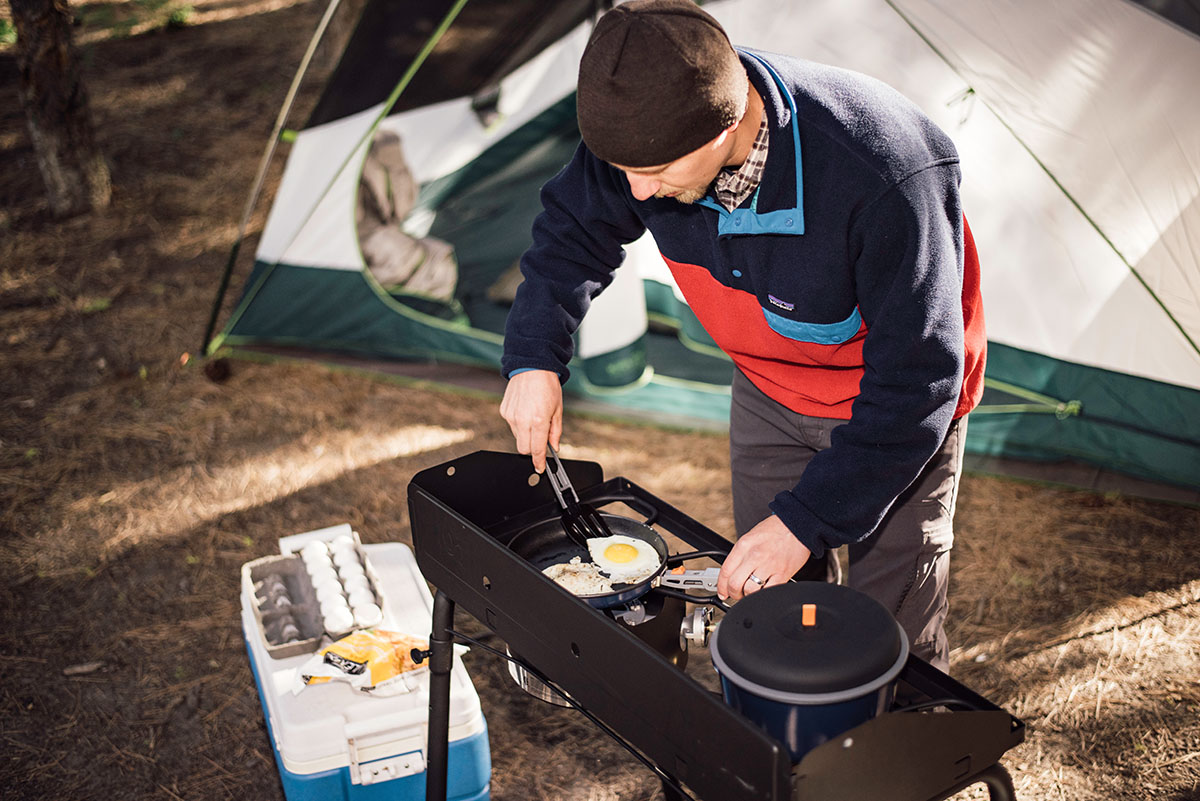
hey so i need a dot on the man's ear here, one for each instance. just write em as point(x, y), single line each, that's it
point(723, 135)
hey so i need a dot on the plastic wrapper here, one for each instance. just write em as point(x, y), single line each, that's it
point(370, 660)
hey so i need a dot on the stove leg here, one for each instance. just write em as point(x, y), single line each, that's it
point(999, 784)
point(441, 660)
point(671, 794)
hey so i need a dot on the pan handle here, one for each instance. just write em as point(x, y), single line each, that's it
point(644, 508)
point(680, 558)
point(693, 599)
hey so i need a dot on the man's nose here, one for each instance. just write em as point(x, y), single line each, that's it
point(642, 186)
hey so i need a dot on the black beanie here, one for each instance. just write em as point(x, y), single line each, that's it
point(658, 79)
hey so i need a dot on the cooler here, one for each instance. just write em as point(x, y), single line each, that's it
point(334, 742)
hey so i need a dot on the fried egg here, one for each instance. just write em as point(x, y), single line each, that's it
point(578, 577)
point(624, 559)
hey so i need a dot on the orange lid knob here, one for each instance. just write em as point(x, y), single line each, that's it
point(808, 615)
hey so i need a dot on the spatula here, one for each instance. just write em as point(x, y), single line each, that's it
point(580, 520)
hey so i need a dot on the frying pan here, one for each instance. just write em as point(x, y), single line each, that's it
point(546, 543)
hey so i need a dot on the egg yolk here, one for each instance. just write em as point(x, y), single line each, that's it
point(620, 552)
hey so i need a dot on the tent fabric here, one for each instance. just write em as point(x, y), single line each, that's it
point(1080, 146)
point(1112, 70)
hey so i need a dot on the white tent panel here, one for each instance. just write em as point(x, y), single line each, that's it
point(313, 165)
point(1165, 267)
point(329, 239)
point(644, 258)
point(617, 317)
point(863, 35)
point(1104, 93)
point(1051, 284)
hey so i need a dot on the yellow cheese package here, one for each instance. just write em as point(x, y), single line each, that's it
point(370, 660)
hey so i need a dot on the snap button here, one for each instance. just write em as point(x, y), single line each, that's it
point(738, 222)
point(737, 273)
point(789, 222)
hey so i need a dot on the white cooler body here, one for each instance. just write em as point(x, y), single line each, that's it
point(334, 742)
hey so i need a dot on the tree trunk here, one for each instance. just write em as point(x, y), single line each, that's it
point(56, 108)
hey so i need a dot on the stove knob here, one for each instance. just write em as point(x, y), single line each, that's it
point(696, 627)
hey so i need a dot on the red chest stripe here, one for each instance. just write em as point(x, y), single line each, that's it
point(818, 380)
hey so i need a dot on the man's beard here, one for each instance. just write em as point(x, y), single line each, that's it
point(687, 196)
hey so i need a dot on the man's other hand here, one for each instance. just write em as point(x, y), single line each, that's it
point(533, 407)
point(769, 552)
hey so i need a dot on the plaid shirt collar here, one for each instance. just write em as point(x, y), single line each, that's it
point(732, 187)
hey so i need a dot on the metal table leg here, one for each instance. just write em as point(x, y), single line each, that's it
point(670, 793)
point(999, 784)
point(441, 661)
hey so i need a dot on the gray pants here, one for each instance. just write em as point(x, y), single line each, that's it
point(905, 563)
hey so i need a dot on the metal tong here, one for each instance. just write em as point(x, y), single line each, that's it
point(580, 520)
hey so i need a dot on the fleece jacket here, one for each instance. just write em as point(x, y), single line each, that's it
point(846, 286)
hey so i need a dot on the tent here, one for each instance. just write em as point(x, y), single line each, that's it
point(1080, 142)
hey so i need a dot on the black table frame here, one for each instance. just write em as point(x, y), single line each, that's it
point(462, 514)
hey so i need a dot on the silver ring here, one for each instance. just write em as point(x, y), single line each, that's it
point(757, 580)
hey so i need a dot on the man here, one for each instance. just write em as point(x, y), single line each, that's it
point(811, 218)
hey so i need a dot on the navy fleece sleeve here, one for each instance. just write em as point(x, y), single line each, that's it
point(577, 241)
point(908, 274)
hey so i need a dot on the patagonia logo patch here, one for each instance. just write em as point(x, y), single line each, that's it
point(783, 304)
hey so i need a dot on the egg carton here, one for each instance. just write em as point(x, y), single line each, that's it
point(272, 617)
point(302, 609)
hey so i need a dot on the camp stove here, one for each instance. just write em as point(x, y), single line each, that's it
point(617, 667)
point(656, 620)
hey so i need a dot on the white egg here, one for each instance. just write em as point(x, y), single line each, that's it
point(367, 615)
point(359, 582)
point(333, 606)
point(329, 590)
point(339, 620)
point(341, 542)
point(314, 549)
point(315, 559)
point(361, 597)
point(624, 559)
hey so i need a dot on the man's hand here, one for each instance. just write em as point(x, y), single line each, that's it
point(533, 407)
point(769, 551)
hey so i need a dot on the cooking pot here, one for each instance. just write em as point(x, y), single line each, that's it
point(808, 660)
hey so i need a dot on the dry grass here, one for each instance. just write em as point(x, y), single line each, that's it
point(132, 488)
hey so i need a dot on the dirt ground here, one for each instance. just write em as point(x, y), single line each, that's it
point(132, 487)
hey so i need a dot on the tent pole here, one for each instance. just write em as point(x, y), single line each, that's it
point(263, 165)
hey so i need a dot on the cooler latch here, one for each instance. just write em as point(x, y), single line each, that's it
point(382, 770)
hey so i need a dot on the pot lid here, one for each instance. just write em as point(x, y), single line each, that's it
point(808, 637)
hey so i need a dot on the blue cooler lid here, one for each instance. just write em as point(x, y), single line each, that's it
point(842, 641)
